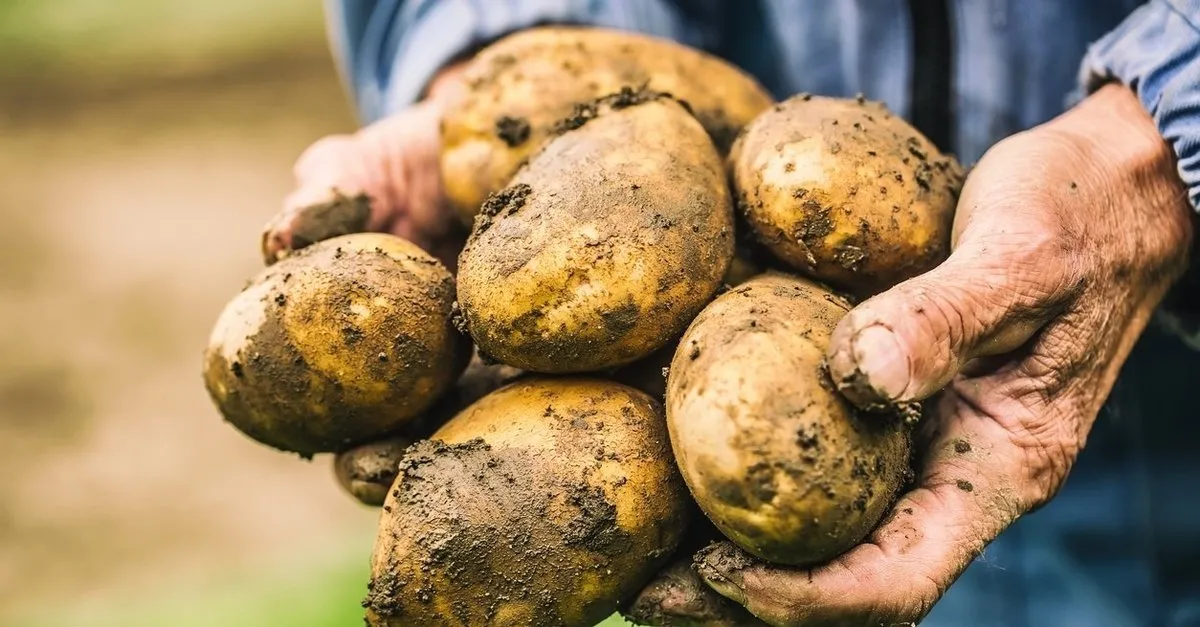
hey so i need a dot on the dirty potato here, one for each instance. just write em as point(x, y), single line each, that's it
point(367, 471)
point(547, 502)
point(845, 192)
point(344, 341)
point(604, 246)
point(776, 459)
point(521, 86)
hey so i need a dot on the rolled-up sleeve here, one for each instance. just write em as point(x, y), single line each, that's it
point(1156, 52)
point(389, 50)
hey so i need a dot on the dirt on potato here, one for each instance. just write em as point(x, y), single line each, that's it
point(605, 244)
point(345, 341)
point(549, 502)
point(845, 192)
point(775, 457)
point(522, 88)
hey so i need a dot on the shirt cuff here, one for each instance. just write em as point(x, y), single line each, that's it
point(1156, 53)
point(406, 43)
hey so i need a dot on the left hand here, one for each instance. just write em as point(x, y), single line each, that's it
point(1066, 239)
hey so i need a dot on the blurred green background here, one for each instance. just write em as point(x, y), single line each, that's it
point(143, 144)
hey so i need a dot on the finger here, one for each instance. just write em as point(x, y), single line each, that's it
point(367, 472)
point(677, 597)
point(364, 182)
point(993, 293)
point(963, 500)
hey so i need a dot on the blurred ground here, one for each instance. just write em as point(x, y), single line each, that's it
point(142, 146)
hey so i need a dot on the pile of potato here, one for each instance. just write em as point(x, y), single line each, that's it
point(638, 210)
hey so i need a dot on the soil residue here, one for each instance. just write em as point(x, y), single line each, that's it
point(342, 215)
point(502, 203)
point(494, 531)
point(513, 131)
point(584, 112)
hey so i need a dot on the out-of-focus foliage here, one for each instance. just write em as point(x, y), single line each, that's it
point(107, 39)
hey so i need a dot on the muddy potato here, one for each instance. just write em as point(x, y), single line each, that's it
point(547, 502)
point(845, 192)
point(604, 246)
point(776, 459)
point(367, 471)
point(344, 341)
point(521, 86)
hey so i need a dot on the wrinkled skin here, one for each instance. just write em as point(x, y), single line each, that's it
point(1046, 280)
point(1066, 239)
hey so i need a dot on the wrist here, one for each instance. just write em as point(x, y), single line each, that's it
point(1112, 130)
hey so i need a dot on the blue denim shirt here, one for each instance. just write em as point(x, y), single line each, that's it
point(1120, 545)
point(1016, 63)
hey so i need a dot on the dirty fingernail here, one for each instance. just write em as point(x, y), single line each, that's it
point(307, 224)
point(882, 363)
point(342, 214)
point(720, 565)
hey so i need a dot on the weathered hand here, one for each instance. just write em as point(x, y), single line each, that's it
point(383, 178)
point(1066, 239)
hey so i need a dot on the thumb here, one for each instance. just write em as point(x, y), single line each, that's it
point(382, 178)
point(989, 297)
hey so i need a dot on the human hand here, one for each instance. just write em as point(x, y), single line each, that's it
point(384, 178)
point(1066, 239)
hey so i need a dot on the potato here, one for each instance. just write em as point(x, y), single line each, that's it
point(367, 471)
point(340, 343)
point(780, 462)
point(547, 502)
point(522, 85)
point(845, 192)
point(604, 246)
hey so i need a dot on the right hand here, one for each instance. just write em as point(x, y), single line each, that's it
point(392, 165)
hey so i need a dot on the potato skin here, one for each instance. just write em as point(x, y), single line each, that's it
point(604, 246)
point(342, 342)
point(367, 471)
point(776, 459)
point(547, 503)
point(520, 86)
point(845, 192)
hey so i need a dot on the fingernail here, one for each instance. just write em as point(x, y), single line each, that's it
point(720, 565)
point(882, 363)
point(342, 214)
